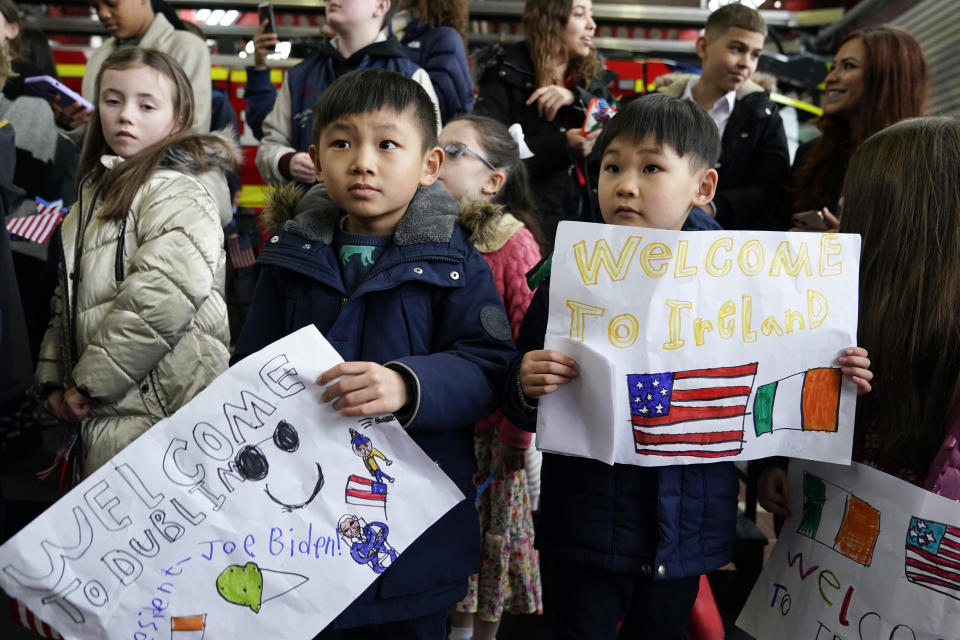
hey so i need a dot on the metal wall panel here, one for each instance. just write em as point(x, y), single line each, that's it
point(936, 25)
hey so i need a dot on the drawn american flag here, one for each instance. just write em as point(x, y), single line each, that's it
point(933, 556)
point(24, 617)
point(364, 491)
point(39, 226)
point(240, 250)
point(696, 413)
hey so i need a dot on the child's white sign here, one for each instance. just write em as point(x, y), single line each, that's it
point(862, 555)
point(256, 511)
point(701, 347)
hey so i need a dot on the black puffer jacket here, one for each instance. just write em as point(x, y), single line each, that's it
point(506, 82)
point(754, 160)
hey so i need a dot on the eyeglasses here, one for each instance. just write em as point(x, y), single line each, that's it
point(457, 149)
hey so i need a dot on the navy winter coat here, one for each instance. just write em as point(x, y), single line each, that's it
point(441, 53)
point(430, 308)
point(666, 522)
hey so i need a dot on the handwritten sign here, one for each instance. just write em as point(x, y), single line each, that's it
point(862, 555)
point(255, 511)
point(701, 347)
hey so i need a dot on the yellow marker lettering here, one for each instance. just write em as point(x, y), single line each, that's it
point(681, 269)
point(700, 329)
point(674, 340)
point(771, 326)
point(578, 317)
point(783, 260)
point(829, 248)
point(817, 308)
point(750, 258)
point(623, 331)
point(725, 322)
point(790, 318)
point(652, 257)
point(748, 334)
point(725, 244)
point(589, 266)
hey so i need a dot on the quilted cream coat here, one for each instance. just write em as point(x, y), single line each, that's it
point(139, 320)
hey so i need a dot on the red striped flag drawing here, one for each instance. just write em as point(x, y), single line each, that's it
point(364, 491)
point(933, 556)
point(24, 617)
point(696, 413)
point(39, 226)
point(240, 251)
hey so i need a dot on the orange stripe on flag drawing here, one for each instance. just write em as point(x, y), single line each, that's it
point(858, 531)
point(821, 399)
point(188, 623)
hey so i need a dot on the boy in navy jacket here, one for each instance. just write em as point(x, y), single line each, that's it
point(628, 542)
point(374, 258)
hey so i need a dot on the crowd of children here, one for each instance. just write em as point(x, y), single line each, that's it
point(423, 256)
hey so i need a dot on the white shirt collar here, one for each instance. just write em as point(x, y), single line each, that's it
point(729, 99)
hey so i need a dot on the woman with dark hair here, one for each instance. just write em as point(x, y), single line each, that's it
point(151, 25)
point(546, 84)
point(902, 195)
point(432, 33)
point(879, 76)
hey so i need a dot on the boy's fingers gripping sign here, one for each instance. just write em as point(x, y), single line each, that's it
point(543, 371)
point(363, 389)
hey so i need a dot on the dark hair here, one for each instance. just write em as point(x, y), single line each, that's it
point(734, 15)
point(682, 124)
point(159, 6)
point(501, 150)
point(896, 85)
point(122, 183)
point(12, 15)
point(36, 49)
point(439, 13)
point(367, 90)
point(901, 194)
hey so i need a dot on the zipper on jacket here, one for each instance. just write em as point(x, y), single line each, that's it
point(156, 394)
point(72, 305)
point(118, 259)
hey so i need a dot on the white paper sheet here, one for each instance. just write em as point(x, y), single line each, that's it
point(862, 555)
point(747, 325)
point(169, 540)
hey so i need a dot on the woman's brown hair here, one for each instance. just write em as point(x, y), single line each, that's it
point(902, 195)
point(896, 86)
point(121, 183)
point(543, 24)
point(440, 13)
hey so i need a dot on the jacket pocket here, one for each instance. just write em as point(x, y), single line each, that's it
point(151, 395)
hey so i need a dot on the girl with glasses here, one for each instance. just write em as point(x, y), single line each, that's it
point(483, 168)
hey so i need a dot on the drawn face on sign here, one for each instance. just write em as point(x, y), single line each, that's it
point(252, 463)
point(350, 527)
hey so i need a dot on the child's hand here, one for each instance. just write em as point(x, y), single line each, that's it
point(855, 363)
point(54, 404)
point(550, 99)
point(302, 169)
point(364, 389)
point(543, 371)
point(772, 491)
point(75, 406)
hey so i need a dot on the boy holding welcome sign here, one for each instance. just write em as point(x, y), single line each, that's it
point(615, 560)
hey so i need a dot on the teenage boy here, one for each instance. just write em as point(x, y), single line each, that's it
point(373, 258)
point(359, 43)
point(627, 542)
point(754, 164)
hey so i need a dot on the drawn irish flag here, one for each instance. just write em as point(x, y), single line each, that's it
point(808, 401)
point(187, 627)
point(838, 519)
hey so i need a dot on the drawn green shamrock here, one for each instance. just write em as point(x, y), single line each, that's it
point(241, 585)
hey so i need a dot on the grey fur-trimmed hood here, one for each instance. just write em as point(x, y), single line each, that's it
point(430, 217)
